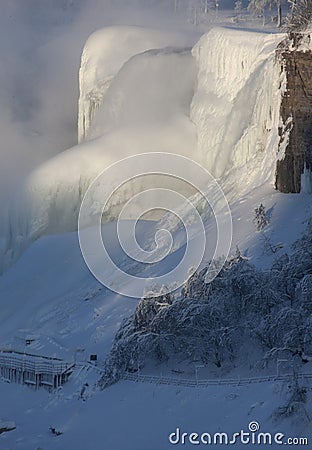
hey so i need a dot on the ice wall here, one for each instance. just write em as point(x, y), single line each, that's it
point(104, 54)
point(236, 106)
point(150, 88)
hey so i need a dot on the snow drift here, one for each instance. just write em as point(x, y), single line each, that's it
point(228, 120)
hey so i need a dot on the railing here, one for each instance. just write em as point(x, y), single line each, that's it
point(191, 382)
point(210, 382)
point(32, 364)
point(33, 370)
point(57, 372)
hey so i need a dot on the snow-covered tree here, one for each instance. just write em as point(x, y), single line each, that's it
point(198, 10)
point(303, 293)
point(213, 323)
point(260, 218)
point(145, 312)
point(238, 7)
point(300, 16)
point(258, 7)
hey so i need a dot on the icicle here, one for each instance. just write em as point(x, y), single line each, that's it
point(306, 181)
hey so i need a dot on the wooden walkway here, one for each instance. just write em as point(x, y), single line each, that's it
point(33, 370)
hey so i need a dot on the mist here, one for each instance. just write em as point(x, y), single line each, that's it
point(40, 51)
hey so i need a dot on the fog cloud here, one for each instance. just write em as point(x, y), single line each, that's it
point(40, 54)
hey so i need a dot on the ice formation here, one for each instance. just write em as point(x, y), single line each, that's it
point(104, 54)
point(218, 104)
point(306, 181)
point(236, 106)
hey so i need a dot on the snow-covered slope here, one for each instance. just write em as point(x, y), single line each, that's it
point(134, 416)
point(50, 290)
point(50, 294)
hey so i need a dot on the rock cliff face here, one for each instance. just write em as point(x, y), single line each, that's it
point(296, 115)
